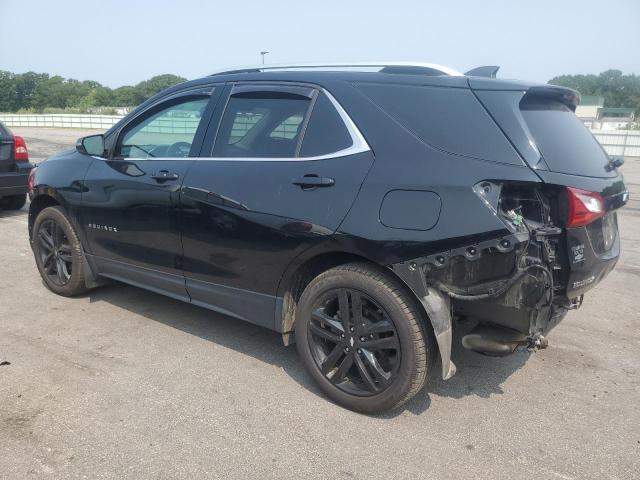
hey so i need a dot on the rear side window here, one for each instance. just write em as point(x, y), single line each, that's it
point(326, 132)
point(450, 119)
point(259, 124)
point(564, 142)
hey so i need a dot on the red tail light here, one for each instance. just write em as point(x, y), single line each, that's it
point(20, 153)
point(584, 207)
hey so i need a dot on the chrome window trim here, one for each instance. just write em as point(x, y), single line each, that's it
point(358, 145)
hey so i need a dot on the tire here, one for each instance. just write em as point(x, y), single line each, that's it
point(376, 378)
point(13, 202)
point(58, 253)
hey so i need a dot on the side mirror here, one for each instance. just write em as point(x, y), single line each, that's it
point(91, 145)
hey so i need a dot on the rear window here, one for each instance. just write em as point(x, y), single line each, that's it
point(564, 142)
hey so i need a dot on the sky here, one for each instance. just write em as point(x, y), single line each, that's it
point(118, 42)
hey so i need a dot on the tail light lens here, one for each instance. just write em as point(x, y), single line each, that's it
point(584, 207)
point(20, 153)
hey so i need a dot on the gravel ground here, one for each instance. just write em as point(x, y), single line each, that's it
point(126, 384)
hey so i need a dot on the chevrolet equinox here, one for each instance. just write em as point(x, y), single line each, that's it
point(362, 211)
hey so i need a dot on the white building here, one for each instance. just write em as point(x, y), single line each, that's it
point(587, 111)
point(598, 117)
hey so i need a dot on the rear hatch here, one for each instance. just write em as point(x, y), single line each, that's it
point(541, 124)
point(566, 145)
point(6, 150)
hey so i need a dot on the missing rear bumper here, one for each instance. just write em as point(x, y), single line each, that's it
point(490, 282)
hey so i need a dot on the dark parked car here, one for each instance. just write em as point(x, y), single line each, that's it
point(14, 170)
point(359, 213)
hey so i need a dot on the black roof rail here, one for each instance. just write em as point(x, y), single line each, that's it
point(411, 70)
point(389, 67)
point(240, 70)
point(488, 71)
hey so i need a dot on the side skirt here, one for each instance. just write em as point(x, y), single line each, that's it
point(252, 307)
point(156, 281)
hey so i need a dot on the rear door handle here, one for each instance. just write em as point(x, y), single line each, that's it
point(164, 175)
point(313, 181)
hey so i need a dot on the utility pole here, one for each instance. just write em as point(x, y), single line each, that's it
point(263, 54)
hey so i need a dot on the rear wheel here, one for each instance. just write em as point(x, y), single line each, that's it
point(362, 338)
point(58, 253)
point(13, 202)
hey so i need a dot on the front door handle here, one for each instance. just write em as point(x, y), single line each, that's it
point(164, 175)
point(313, 181)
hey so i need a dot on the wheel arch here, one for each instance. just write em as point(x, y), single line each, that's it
point(297, 278)
point(45, 200)
point(39, 203)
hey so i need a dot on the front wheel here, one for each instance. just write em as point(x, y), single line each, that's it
point(58, 253)
point(362, 338)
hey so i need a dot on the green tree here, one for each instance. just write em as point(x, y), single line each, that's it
point(26, 84)
point(618, 90)
point(8, 100)
point(126, 96)
point(149, 88)
point(50, 93)
point(38, 91)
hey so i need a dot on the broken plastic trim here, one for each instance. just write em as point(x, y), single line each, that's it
point(438, 308)
point(436, 300)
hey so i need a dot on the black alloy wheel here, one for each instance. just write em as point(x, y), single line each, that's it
point(58, 252)
point(54, 250)
point(354, 342)
point(362, 337)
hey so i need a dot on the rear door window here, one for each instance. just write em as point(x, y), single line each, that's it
point(562, 139)
point(294, 122)
point(262, 124)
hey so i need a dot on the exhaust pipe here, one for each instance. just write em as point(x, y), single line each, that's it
point(493, 340)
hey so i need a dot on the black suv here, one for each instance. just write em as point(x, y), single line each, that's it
point(360, 213)
point(14, 170)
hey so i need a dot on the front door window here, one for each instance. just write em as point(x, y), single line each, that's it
point(164, 133)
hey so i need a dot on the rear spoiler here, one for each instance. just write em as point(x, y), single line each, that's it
point(489, 71)
point(567, 96)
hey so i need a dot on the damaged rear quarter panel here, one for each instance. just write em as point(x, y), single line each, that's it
point(403, 162)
